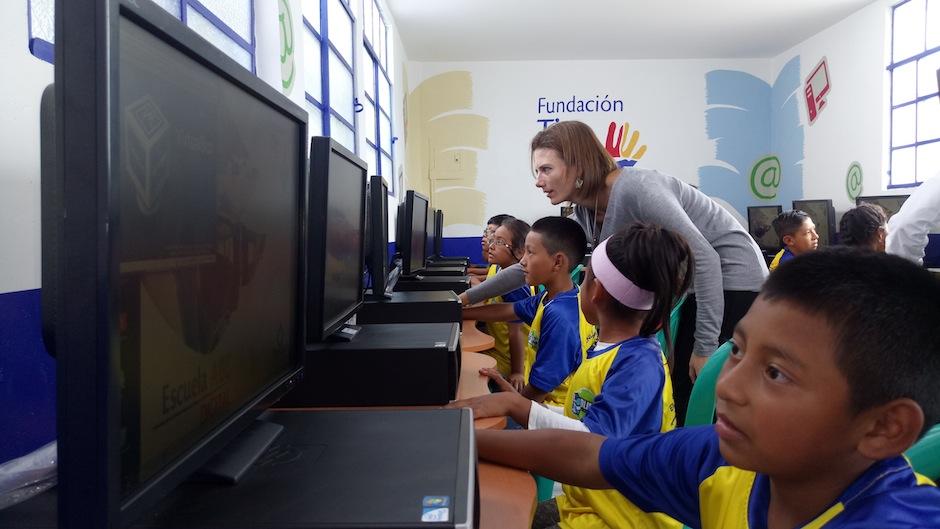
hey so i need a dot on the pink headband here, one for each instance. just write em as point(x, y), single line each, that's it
point(616, 284)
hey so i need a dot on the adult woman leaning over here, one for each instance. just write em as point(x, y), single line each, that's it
point(570, 164)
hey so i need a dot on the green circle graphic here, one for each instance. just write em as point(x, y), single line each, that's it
point(853, 181)
point(765, 177)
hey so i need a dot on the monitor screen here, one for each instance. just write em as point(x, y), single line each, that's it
point(335, 229)
point(192, 249)
point(890, 203)
point(823, 215)
point(759, 219)
point(377, 243)
point(438, 232)
point(412, 238)
point(430, 235)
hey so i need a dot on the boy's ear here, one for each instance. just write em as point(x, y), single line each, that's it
point(892, 428)
point(787, 240)
point(560, 261)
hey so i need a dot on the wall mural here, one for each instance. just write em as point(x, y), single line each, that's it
point(853, 181)
point(758, 138)
point(443, 139)
point(625, 151)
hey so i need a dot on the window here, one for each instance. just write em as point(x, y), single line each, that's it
point(228, 24)
point(329, 79)
point(914, 153)
point(377, 92)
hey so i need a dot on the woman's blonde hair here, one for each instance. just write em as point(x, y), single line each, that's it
point(579, 147)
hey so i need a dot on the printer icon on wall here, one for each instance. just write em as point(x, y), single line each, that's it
point(816, 88)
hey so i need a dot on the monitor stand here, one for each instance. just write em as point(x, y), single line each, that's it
point(231, 463)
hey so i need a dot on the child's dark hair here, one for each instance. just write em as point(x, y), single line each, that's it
point(518, 229)
point(654, 259)
point(789, 222)
point(561, 234)
point(860, 224)
point(497, 220)
point(884, 311)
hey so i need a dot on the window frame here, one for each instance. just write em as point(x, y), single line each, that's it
point(894, 64)
point(380, 74)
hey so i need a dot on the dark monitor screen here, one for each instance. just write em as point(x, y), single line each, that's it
point(193, 249)
point(430, 235)
point(377, 243)
point(823, 215)
point(759, 219)
point(890, 203)
point(412, 237)
point(438, 232)
point(335, 230)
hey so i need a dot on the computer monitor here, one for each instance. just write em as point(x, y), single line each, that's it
point(377, 240)
point(336, 246)
point(890, 203)
point(824, 217)
point(412, 221)
point(180, 267)
point(759, 219)
point(438, 232)
point(430, 235)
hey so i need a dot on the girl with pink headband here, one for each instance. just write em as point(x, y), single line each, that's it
point(623, 386)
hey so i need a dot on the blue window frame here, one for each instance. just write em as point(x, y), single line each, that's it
point(914, 138)
point(228, 24)
point(330, 70)
point(377, 90)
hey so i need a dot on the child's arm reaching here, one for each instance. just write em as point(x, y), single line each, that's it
point(494, 312)
point(516, 356)
point(565, 456)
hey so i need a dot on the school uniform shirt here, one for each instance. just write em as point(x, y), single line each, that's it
point(682, 473)
point(618, 390)
point(554, 347)
point(499, 330)
point(781, 257)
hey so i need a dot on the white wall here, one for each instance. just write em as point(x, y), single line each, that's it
point(26, 78)
point(853, 125)
point(664, 100)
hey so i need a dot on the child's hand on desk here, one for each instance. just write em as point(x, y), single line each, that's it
point(497, 405)
point(517, 380)
point(503, 384)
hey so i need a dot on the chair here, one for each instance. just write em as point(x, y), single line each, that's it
point(925, 454)
point(701, 409)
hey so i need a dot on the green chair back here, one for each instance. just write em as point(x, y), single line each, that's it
point(925, 454)
point(673, 325)
point(701, 409)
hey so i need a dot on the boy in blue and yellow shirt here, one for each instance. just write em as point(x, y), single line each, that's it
point(797, 233)
point(811, 425)
point(556, 341)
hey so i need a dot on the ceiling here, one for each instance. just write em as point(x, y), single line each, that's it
point(497, 30)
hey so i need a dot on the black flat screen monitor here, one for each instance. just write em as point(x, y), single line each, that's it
point(823, 215)
point(430, 235)
point(759, 219)
point(377, 242)
point(438, 232)
point(180, 269)
point(412, 240)
point(891, 203)
point(336, 245)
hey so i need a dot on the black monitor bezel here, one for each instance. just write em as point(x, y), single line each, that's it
point(830, 217)
point(319, 330)
point(405, 231)
point(869, 198)
point(378, 231)
point(88, 144)
point(430, 235)
point(750, 222)
point(438, 232)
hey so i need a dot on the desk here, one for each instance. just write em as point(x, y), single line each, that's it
point(474, 340)
point(473, 384)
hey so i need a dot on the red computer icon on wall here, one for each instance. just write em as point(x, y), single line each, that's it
point(816, 88)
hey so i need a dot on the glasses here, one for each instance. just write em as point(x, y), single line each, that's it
point(500, 242)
